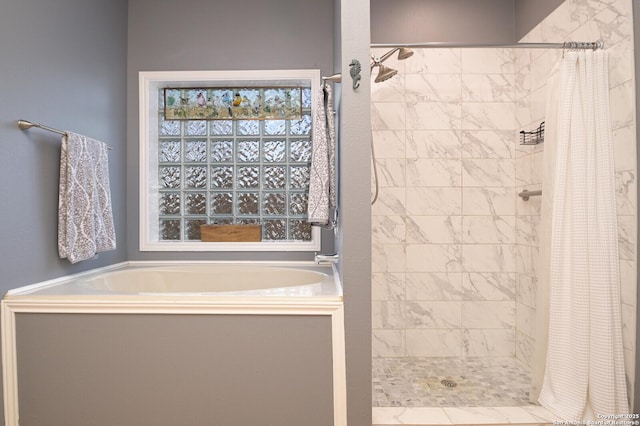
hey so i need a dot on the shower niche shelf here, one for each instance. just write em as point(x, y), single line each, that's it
point(533, 137)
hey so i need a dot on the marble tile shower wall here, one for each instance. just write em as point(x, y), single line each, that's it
point(584, 20)
point(455, 252)
point(444, 225)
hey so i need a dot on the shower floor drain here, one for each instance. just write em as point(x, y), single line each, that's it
point(449, 383)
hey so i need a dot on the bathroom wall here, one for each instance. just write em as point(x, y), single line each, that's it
point(202, 35)
point(444, 223)
point(415, 21)
point(610, 21)
point(64, 65)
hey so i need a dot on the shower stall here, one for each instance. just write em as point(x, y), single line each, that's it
point(454, 248)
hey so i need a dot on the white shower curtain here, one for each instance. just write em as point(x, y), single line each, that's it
point(584, 374)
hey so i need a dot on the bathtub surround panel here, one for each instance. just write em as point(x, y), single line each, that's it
point(444, 226)
point(177, 354)
point(168, 370)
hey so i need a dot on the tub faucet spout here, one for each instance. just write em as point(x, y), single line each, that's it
point(326, 258)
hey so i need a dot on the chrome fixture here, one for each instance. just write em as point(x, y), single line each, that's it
point(526, 194)
point(336, 78)
point(326, 258)
point(385, 72)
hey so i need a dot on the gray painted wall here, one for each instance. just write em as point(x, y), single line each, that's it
point(204, 35)
point(406, 21)
point(478, 21)
point(528, 13)
point(64, 65)
point(354, 237)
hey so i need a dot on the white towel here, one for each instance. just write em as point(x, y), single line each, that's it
point(85, 218)
point(322, 185)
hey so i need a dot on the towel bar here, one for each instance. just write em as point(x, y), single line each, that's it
point(24, 125)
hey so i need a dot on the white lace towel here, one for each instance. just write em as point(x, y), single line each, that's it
point(322, 185)
point(85, 218)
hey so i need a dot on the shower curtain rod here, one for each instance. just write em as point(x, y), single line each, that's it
point(569, 45)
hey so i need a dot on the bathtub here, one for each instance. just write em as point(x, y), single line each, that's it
point(285, 291)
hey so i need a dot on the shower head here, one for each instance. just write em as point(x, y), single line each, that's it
point(404, 53)
point(384, 73)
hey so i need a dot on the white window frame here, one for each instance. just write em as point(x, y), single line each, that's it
point(149, 84)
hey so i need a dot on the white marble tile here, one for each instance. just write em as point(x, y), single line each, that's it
point(388, 286)
point(488, 144)
point(488, 258)
point(627, 237)
point(613, 23)
point(628, 285)
point(526, 414)
point(526, 289)
point(488, 172)
point(621, 66)
point(475, 415)
point(430, 314)
point(527, 230)
point(433, 87)
point(433, 172)
point(392, 90)
point(391, 172)
point(409, 416)
point(540, 413)
point(388, 116)
point(387, 315)
point(433, 258)
point(523, 170)
point(522, 81)
point(434, 286)
point(388, 229)
point(433, 115)
point(387, 343)
point(624, 148)
point(390, 202)
point(628, 326)
point(433, 144)
point(433, 342)
point(488, 61)
point(488, 87)
point(526, 259)
point(388, 258)
point(556, 25)
point(434, 61)
point(522, 118)
point(488, 229)
point(488, 314)
point(626, 187)
point(434, 229)
point(434, 201)
point(489, 201)
point(526, 320)
point(389, 143)
point(488, 116)
point(537, 103)
point(525, 348)
point(489, 286)
point(621, 100)
point(488, 342)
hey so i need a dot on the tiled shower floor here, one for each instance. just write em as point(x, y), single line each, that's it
point(481, 382)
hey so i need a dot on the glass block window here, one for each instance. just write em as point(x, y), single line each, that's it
point(234, 172)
